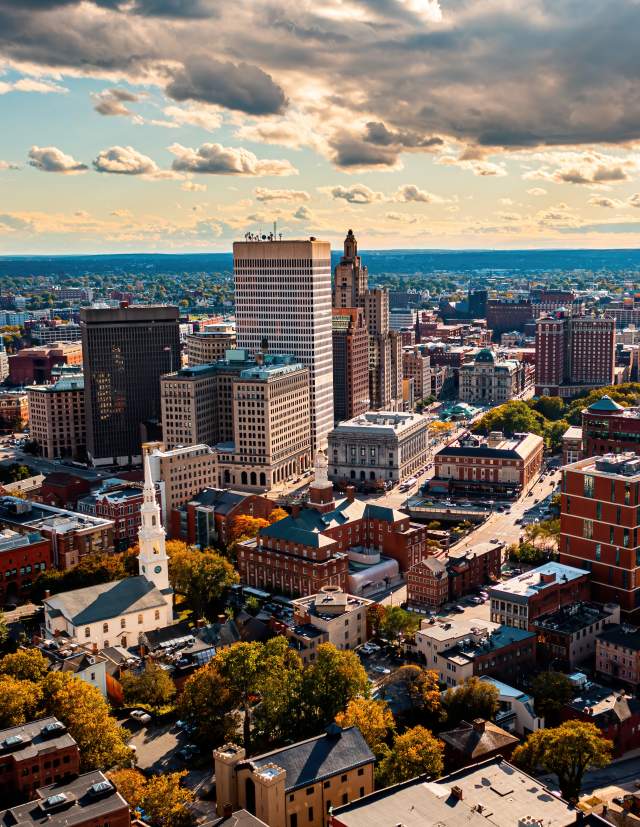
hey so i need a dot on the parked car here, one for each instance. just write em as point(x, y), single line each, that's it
point(188, 752)
point(458, 609)
point(141, 716)
point(477, 601)
point(382, 670)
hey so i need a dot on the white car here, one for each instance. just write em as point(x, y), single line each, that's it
point(141, 716)
point(382, 670)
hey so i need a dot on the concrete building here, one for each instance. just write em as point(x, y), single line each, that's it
point(210, 344)
point(351, 289)
point(188, 406)
point(85, 801)
point(72, 535)
point(499, 466)
point(517, 712)
point(567, 636)
point(298, 784)
point(4, 361)
point(180, 474)
point(57, 418)
point(34, 365)
point(618, 654)
point(416, 365)
point(490, 381)
point(117, 613)
point(378, 446)
point(435, 637)
point(46, 333)
point(520, 601)
point(573, 353)
point(493, 793)
point(283, 299)
point(35, 753)
point(126, 351)
point(350, 363)
point(14, 410)
point(572, 444)
point(22, 558)
point(599, 522)
point(340, 618)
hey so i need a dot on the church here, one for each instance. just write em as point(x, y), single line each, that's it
point(117, 613)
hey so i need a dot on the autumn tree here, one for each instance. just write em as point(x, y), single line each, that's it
point(4, 629)
point(240, 666)
point(375, 616)
point(206, 704)
point(568, 751)
point(92, 570)
point(25, 665)
point(19, 701)
point(416, 752)
point(473, 699)
point(201, 576)
point(162, 797)
point(374, 719)
point(424, 692)
point(279, 685)
point(244, 526)
point(130, 784)
point(85, 713)
point(398, 622)
point(551, 691)
point(276, 515)
point(329, 683)
point(152, 686)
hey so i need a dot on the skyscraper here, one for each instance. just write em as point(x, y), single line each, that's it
point(283, 303)
point(573, 353)
point(350, 363)
point(125, 351)
point(351, 289)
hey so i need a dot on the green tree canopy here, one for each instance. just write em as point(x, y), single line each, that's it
point(201, 576)
point(152, 686)
point(551, 691)
point(206, 704)
point(329, 683)
point(473, 699)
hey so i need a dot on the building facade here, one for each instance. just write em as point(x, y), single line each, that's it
point(377, 447)
point(34, 365)
point(14, 410)
point(350, 363)
point(490, 381)
point(206, 346)
point(22, 558)
point(283, 300)
point(416, 365)
point(567, 637)
point(126, 351)
point(599, 526)
point(180, 474)
point(189, 411)
point(57, 418)
point(45, 333)
point(608, 428)
point(618, 654)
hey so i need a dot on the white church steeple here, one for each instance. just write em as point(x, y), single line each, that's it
point(153, 562)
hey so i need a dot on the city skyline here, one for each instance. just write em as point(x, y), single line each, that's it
point(165, 126)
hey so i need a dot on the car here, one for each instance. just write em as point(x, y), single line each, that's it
point(458, 609)
point(519, 521)
point(477, 601)
point(141, 716)
point(373, 647)
point(495, 540)
point(382, 670)
point(188, 752)
point(484, 594)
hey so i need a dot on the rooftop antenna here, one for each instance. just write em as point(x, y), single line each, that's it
point(275, 228)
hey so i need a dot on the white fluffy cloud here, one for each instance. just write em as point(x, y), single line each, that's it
point(43, 87)
point(591, 168)
point(263, 194)
point(355, 194)
point(409, 192)
point(52, 159)
point(215, 159)
point(124, 160)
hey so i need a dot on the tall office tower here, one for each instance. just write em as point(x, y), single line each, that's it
point(573, 353)
point(4, 361)
point(350, 363)
point(351, 289)
point(126, 350)
point(283, 302)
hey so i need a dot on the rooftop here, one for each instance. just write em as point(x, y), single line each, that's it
point(518, 446)
point(478, 739)
point(572, 618)
point(105, 600)
point(10, 540)
point(384, 421)
point(39, 516)
point(456, 628)
point(622, 635)
point(470, 648)
point(330, 602)
point(605, 704)
point(533, 582)
point(70, 382)
point(624, 466)
point(493, 792)
point(31, 738)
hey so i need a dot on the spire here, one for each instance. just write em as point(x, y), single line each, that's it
point(149, 489)
point(350, 246)
point(152, 558)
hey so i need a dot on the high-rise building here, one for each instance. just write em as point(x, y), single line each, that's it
point(351, 289)
point(600, 526)
point(416, 365)
point(181, 473)
point(573, 353)
point(350, 363)
point(189, 408)
point(57, 418)
point(210, 344)
point(126, 350)
point(283, 303)
point(4, 361)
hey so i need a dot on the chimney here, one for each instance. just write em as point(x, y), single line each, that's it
point(200, 623)
point(227, 811)
point(350, 491)
point(479, 724)
point(47, 593)
point(456, 792)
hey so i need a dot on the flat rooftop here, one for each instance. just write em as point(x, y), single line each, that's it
point(573, 618)
point(39, 516)
point(393, 421)
point(624, 466)
point(533, 582)
point(27, 740)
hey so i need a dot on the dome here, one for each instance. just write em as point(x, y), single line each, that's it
point(485, 355)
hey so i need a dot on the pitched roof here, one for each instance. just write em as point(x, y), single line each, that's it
point(478, 739)
point(605, 405)
point(106, 600)
point(308, 762)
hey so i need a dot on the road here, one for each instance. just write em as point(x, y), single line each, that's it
point(617, 774)
point(10, 454)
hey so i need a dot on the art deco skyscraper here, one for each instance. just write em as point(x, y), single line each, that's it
point(283, 304)
point(125, 352)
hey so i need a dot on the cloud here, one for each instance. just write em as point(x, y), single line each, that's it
point(302, 214)
point(263, 194)
point(215, 159)
point(409, 193)
point(191, 186)
point(478, 166)
point(537, 191)
point(399, 217)
point(243, 86)
point(112, 102)
point(52, 159)
point(378, 133)
point(208, 119)
point(185, 9)
point(607, 203)
point(590, 168)
point(124, 160)
point(352, 151)
point(43, 87)
point(8, 165)
point(355, 194)
point(10, 223)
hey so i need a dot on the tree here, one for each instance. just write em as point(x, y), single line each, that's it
point(85, 713)
point(244, 526)
point(90, 571)
point(375, 616)
point(512, 417)
point(277, 514)
point(551, 691)
point(206, 704)
point(4, 629)
point(279, 685)
point(397, 622)
point(201, 576)
point(473, 699)
point(25, 665)
point(240, 666)
point(130, 784)
point(162, 797)
point(424, 692)
point(568, 751)
point(550, 407)
point(415, 752)
point(329, 683)
point(153, 686)
point(19, 701)
point(374, 719)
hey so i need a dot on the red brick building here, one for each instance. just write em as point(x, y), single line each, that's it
point(350, 338)
point(14, 410)
point(34, 365)
point(63, 490)
point(118, 501)
point(504, 315)
point(313, 547)
point(22, 558)
point(427, 584)
point(608, 428)
point(599, 523)
point(207, 519)
point(616, 714)
point(39, 752)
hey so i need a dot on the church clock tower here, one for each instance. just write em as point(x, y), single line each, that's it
point(153, 562)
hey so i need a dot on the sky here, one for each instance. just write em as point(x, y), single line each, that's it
point(180, 125)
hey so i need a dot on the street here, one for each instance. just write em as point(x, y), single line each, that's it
point(9, 455)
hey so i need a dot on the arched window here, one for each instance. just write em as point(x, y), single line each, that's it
point(254, 479)
point(263, 478)
point(372, 475)
point(362, 475)
point(227, 475)
point(353, 475)
point(243, 478)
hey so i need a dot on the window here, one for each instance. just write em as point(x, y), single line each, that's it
point(105, 627)
point(587, 529)
point(588, 485)
point(343, 778)
point(139, 618)
point(310, 811)
point(310, 790)
point(156, 614)
point(598, 550)
point(87, 631)
point(327, 784)
point(123, 623)
point(361, 771)
point(293, 819)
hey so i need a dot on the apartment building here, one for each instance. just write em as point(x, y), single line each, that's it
point(180, 474)
point(189, 413)
point(57, 418)
point(22, 558)
point(14, 410)
point(209, 344)
point(350, 363)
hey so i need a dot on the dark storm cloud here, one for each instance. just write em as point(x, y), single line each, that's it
point(351, 151)
point(377, 133)
point(243, 86)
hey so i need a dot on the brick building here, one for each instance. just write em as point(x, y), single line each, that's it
point(608, 428)
point(616, 714)
point(521, 600)
point(119, 501)
point(416, 365)
point(56, 418)
point(207, 518)
point(39, 752)
point(498, 466)
point(350, 363)
point(480, 740)
point(63, 490)
point(567, 637)
point(210, 344)
point(618, 654)
point(428, 584)
point(34, 365)
point(348, 543)
point(22, 558)
point(14, 410)
point(505, 315)
point(599, 522)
